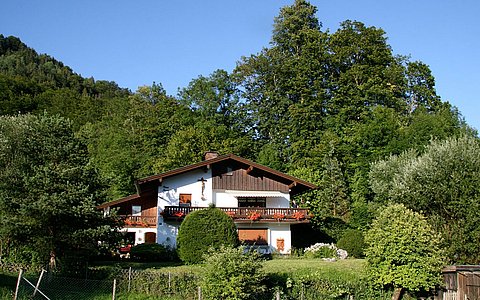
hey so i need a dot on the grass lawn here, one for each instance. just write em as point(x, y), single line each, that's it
point(277, 265)
point(304, 266)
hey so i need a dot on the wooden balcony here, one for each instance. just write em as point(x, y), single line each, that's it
point(245, 214)
point(140, 221)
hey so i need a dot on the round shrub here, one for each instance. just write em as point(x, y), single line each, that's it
point(152, 252)
point(202, 230)
point(352, 241)
point(403, 251)
point(232, 274)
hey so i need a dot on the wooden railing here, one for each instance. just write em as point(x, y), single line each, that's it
point(240, 214)
point(140, 221)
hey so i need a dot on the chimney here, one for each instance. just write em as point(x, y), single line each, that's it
point(210, 155)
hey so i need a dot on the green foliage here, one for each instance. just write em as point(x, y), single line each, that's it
point(152, 284)
point(403, 250)
point(202, 230)
point(444, 183)
point(332, 285)
point(128, 141)
point(331, 198)
point(232, 274)
point(152, 252)
point(352, 241)
point(48, 190)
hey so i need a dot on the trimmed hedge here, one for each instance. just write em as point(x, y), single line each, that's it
point(204, 229)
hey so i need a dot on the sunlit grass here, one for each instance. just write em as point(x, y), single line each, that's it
point(300, 265)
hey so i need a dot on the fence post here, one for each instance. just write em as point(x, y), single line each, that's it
point(129, 278)
point(302, 295)
point(114, 288)
point(18, 284)
point(278, 295)
point(38, 283)
point(169, 280)
point(199, 293)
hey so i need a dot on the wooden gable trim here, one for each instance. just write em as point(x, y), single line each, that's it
point(119, 201)
point(221, 158)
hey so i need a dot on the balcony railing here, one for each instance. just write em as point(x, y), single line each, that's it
point(140, 221)
point(244, 214)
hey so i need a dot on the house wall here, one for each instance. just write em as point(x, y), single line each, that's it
point(239, 179)
point(140, 233)
point(169, 193)
point(148, 203)
point(274, 231)
point(280, 231)
point(187, 183)
point(221, 198)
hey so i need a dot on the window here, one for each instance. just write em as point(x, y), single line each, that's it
point(185, 200)
point(252, 202)
point(136, 210)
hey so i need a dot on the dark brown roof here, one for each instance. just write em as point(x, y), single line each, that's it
point(121, 200)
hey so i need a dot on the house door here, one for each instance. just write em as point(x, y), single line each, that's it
point(150, 237)
point(253, 236)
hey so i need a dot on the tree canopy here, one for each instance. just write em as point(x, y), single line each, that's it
point(48, 190)
point(443, 182)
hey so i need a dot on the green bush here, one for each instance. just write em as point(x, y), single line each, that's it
point(202, 230)
point(152, 252)
point(232, 274)
point(352, 241)
point(403, 250)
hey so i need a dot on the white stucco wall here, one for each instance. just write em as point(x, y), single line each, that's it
point(222, 198)
point(169, 193)
point(167, 234)
point(280, 231)
point(187, 183)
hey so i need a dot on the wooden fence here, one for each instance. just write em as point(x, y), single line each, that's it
point(461, 283)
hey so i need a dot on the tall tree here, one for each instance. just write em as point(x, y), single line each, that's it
point(48, 190)
point(285, 84)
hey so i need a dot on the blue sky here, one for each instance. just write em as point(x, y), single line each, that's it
point(138, 42)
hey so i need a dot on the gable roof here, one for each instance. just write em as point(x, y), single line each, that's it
point(290, 180)
point(296, 185)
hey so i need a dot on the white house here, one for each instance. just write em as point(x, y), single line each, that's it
point(255, 196)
